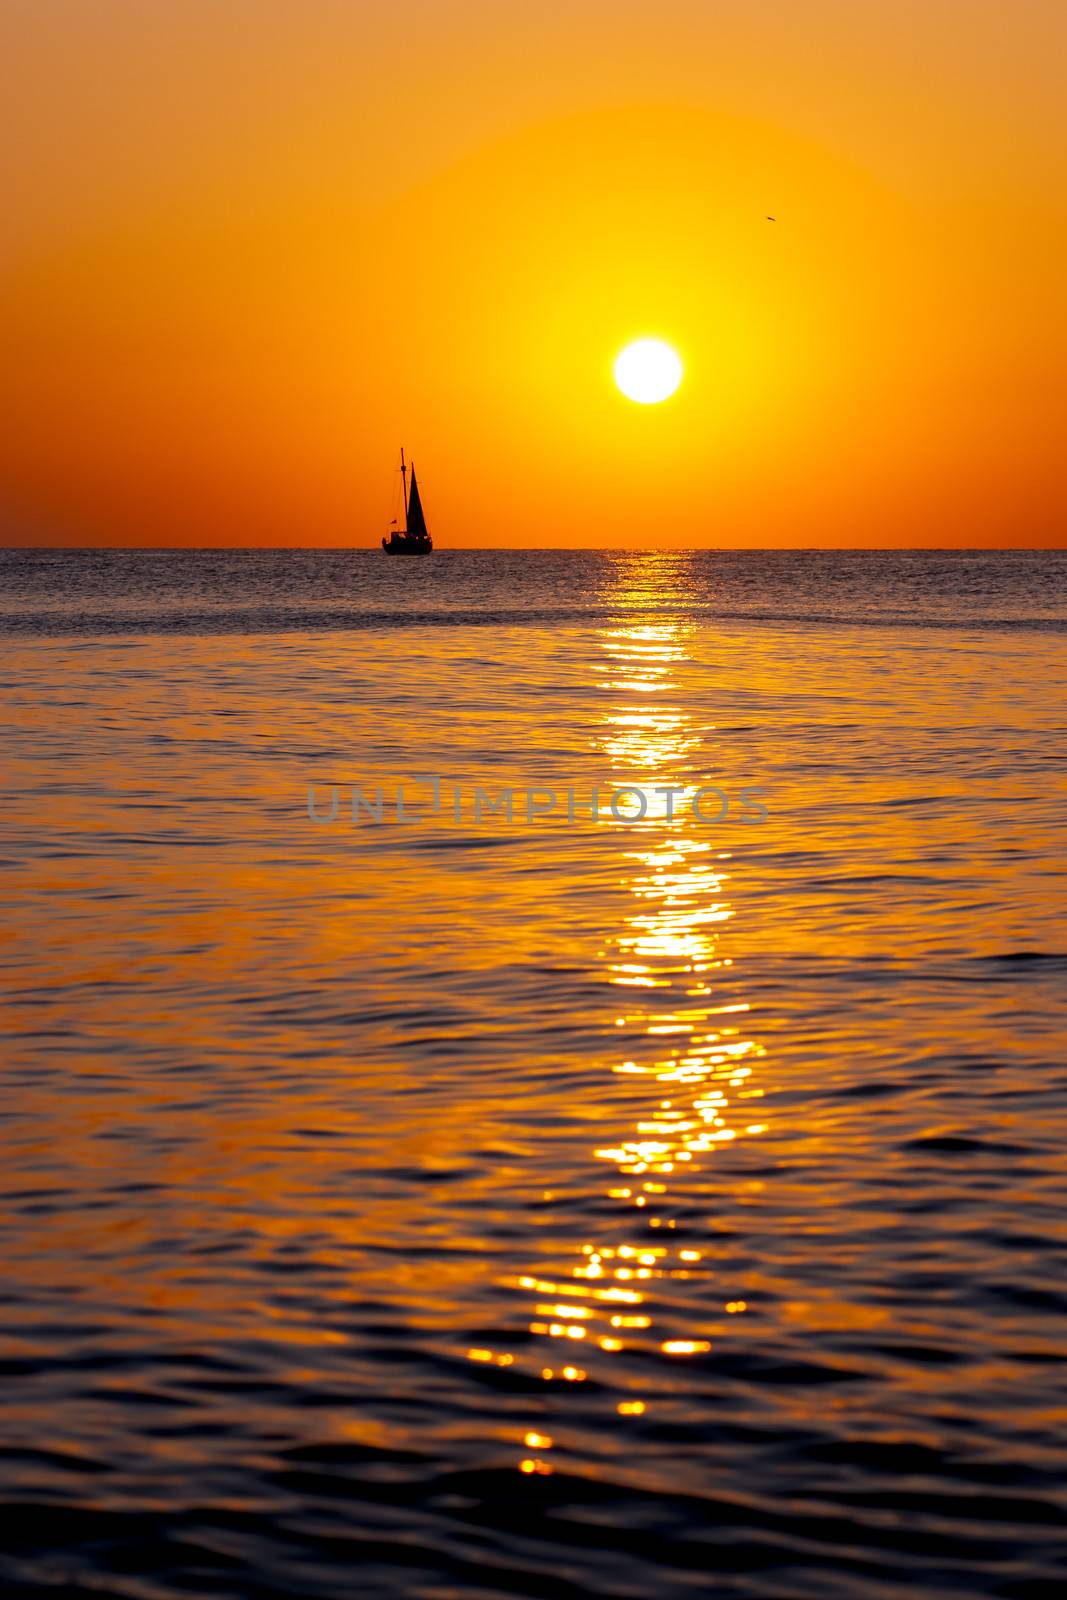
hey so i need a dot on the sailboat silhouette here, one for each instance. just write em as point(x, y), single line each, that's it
point(414, 537)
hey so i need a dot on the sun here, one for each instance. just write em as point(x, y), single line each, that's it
point(648, 371)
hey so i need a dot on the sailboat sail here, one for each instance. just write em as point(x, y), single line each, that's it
point(416, 518)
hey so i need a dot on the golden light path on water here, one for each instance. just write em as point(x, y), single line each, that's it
point(692, 1051)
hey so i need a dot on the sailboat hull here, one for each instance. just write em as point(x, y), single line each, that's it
point(398, 545)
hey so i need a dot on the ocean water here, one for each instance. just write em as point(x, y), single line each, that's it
point(445, 1205)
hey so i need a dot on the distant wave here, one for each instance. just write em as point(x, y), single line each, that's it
point(335, 619)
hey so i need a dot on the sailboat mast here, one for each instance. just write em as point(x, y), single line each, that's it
point(404, 475)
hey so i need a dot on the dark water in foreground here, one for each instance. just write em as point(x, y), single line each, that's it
point(436, 1207)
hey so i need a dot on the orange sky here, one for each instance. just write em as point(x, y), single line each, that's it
point(247, 250)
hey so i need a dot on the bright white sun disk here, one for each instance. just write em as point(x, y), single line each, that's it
point(648, 371)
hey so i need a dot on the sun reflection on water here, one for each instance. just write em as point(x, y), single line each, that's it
point(625, 1293)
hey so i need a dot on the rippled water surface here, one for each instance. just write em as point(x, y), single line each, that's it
point(441, 1206)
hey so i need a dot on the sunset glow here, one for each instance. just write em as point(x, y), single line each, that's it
point(239, 273)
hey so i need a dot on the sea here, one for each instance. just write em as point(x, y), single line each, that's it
point(533, 1074)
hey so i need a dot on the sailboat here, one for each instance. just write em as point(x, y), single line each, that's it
point(414, 538)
